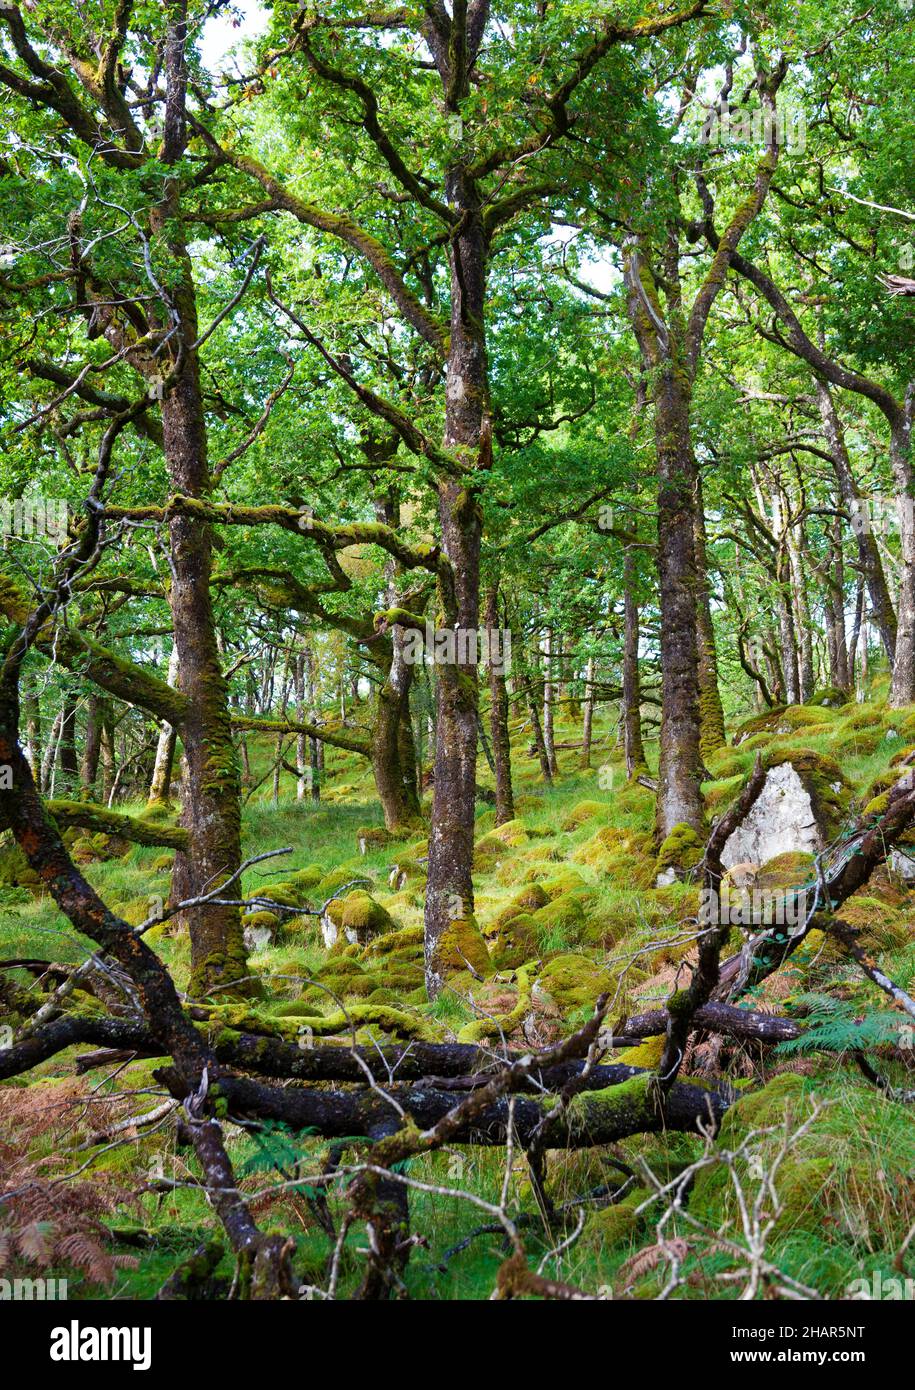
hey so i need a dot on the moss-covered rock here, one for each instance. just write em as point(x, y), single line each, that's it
point(679, 853)
point(783, 720)
point(511, 832)
point(403, 871)
point(371, 837)
point(461, 945)
point(570, 982)
point(516, 942)
point(829, 697)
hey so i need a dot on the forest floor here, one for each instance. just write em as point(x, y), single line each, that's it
point(567, 908)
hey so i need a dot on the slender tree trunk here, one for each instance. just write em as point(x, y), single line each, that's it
point(548, 701)
point(301, 743)
point(802, 622)
point(711, 714)
point(588, 720)
point(88, 772)
point(50, 752)
point(868, 552)
point(902, 691)
point(498, 716)
point(69, 762)
point(33, 732)
point(160, 785)
point(633, 750)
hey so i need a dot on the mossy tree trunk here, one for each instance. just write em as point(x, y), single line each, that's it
point(633, 749)
point(212, 807)
point(679, 798)
point(468, 432)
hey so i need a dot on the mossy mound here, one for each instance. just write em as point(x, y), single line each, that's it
point(847, 1178)
point(529, 899)
point(516, 942)
point(882, 927)
point(511, 832)
point(364, 918)
point(15, 871)
point(615, 852)
point(617, 1225)
point(570, 982)
point(679, 853)
point(794, 869)
point(461, 945)
point(403, 871)
point(568, 881)
point(828, 697)
point(561, 923)
point(782, 720)
point(260, 919)
point(371, 837)
point(336, 879)
point(583, 812)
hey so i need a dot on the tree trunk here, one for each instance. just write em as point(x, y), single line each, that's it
point(69, 763)
point(711, 714)
point(212, 806)
point(88, 771)
point(679, 800)
point(498, 716)
point(902, 691)
point(160, 785)
point(588, 720)
point(449, 890)
point(868, 552)
point(633, 750)
point(549, 740)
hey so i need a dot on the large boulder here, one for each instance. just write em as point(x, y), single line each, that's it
point(801, 808)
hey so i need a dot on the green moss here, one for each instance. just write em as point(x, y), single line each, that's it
point(829, 696)
point(517, 941)
point(681, 851)
point(461, 945)
point(560, 924)
point(583, 811)
point(364, 918)
point(571, 982)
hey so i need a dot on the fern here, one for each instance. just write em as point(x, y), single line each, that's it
point(834, 1025)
